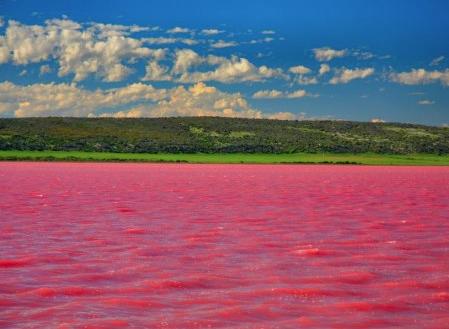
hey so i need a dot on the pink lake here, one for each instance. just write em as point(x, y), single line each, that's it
point(91, 245)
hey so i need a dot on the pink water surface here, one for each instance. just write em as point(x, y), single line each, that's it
point(88, 245)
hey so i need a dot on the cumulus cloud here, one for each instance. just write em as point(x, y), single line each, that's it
point(224, 44)
point(222, 69)
point(291, 116)
point(69, 100)
point(377, 120)
point(202, 100)
point(99, 49)
point(364, 55)
point(324, 68)
point(232, 70)
point(271, 94)
point(300, 69)
point(156, 72)
point(201, 88)
point(300, 72)
point(268, 32)
point(285, 116)
point(108, 52)
point(426, 102)
point(178, 29)
point(184, 59)
point(421, 76)
point(198, 100)
point(264, 40)
point(211, 31)
point(268, 94)
point(163, 40)
point(4, 51)
point(134, 100)
point(345, 75)
point(306, 80)
point(326, 54)
point(190, 67)
point(28, 44)
point(108, 30)
point(297, 94)
point(437, 61)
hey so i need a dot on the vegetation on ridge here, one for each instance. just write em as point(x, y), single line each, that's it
point(218, 135)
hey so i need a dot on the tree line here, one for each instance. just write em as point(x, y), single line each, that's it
point(218, 135)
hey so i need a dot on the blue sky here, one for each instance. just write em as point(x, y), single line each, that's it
point(355, 60)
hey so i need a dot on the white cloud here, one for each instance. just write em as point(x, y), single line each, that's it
point(300, 69)
point(286, 116)
point(184, 59)
point(271, 94)
point(268, 94)
point(33, 43)
point(117, 72)
point(364, 55)
point(178, 29)
point(160, 40)
point(421, 76)
point(163, 40)
point(299, 78)
point(190, 67)
point(100, 49)
point(202, 100)
point(156, 72)
point(201, 88)
point(232, 70)
point(297, 94)
point(268, 32)
point(70, 100)
point(437, 61)
point(326, 54)
point(221, 69)
point(377, 120)
point(211, 31)
point(4, 51)
point(108, 30)
point(44, 69)
point(224, 44)
point(264, 40)
point(426, 102)
point(109, 52)
point(324, 68)
point(306, 80)
point(198, 100)
point(346, 75)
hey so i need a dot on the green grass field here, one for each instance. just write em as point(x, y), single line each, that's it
point(344, 158)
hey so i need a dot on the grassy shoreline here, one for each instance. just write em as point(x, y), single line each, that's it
point(257, 158)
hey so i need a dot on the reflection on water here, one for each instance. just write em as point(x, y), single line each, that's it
point(219, 246)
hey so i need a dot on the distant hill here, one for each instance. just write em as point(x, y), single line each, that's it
point(219, 135)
